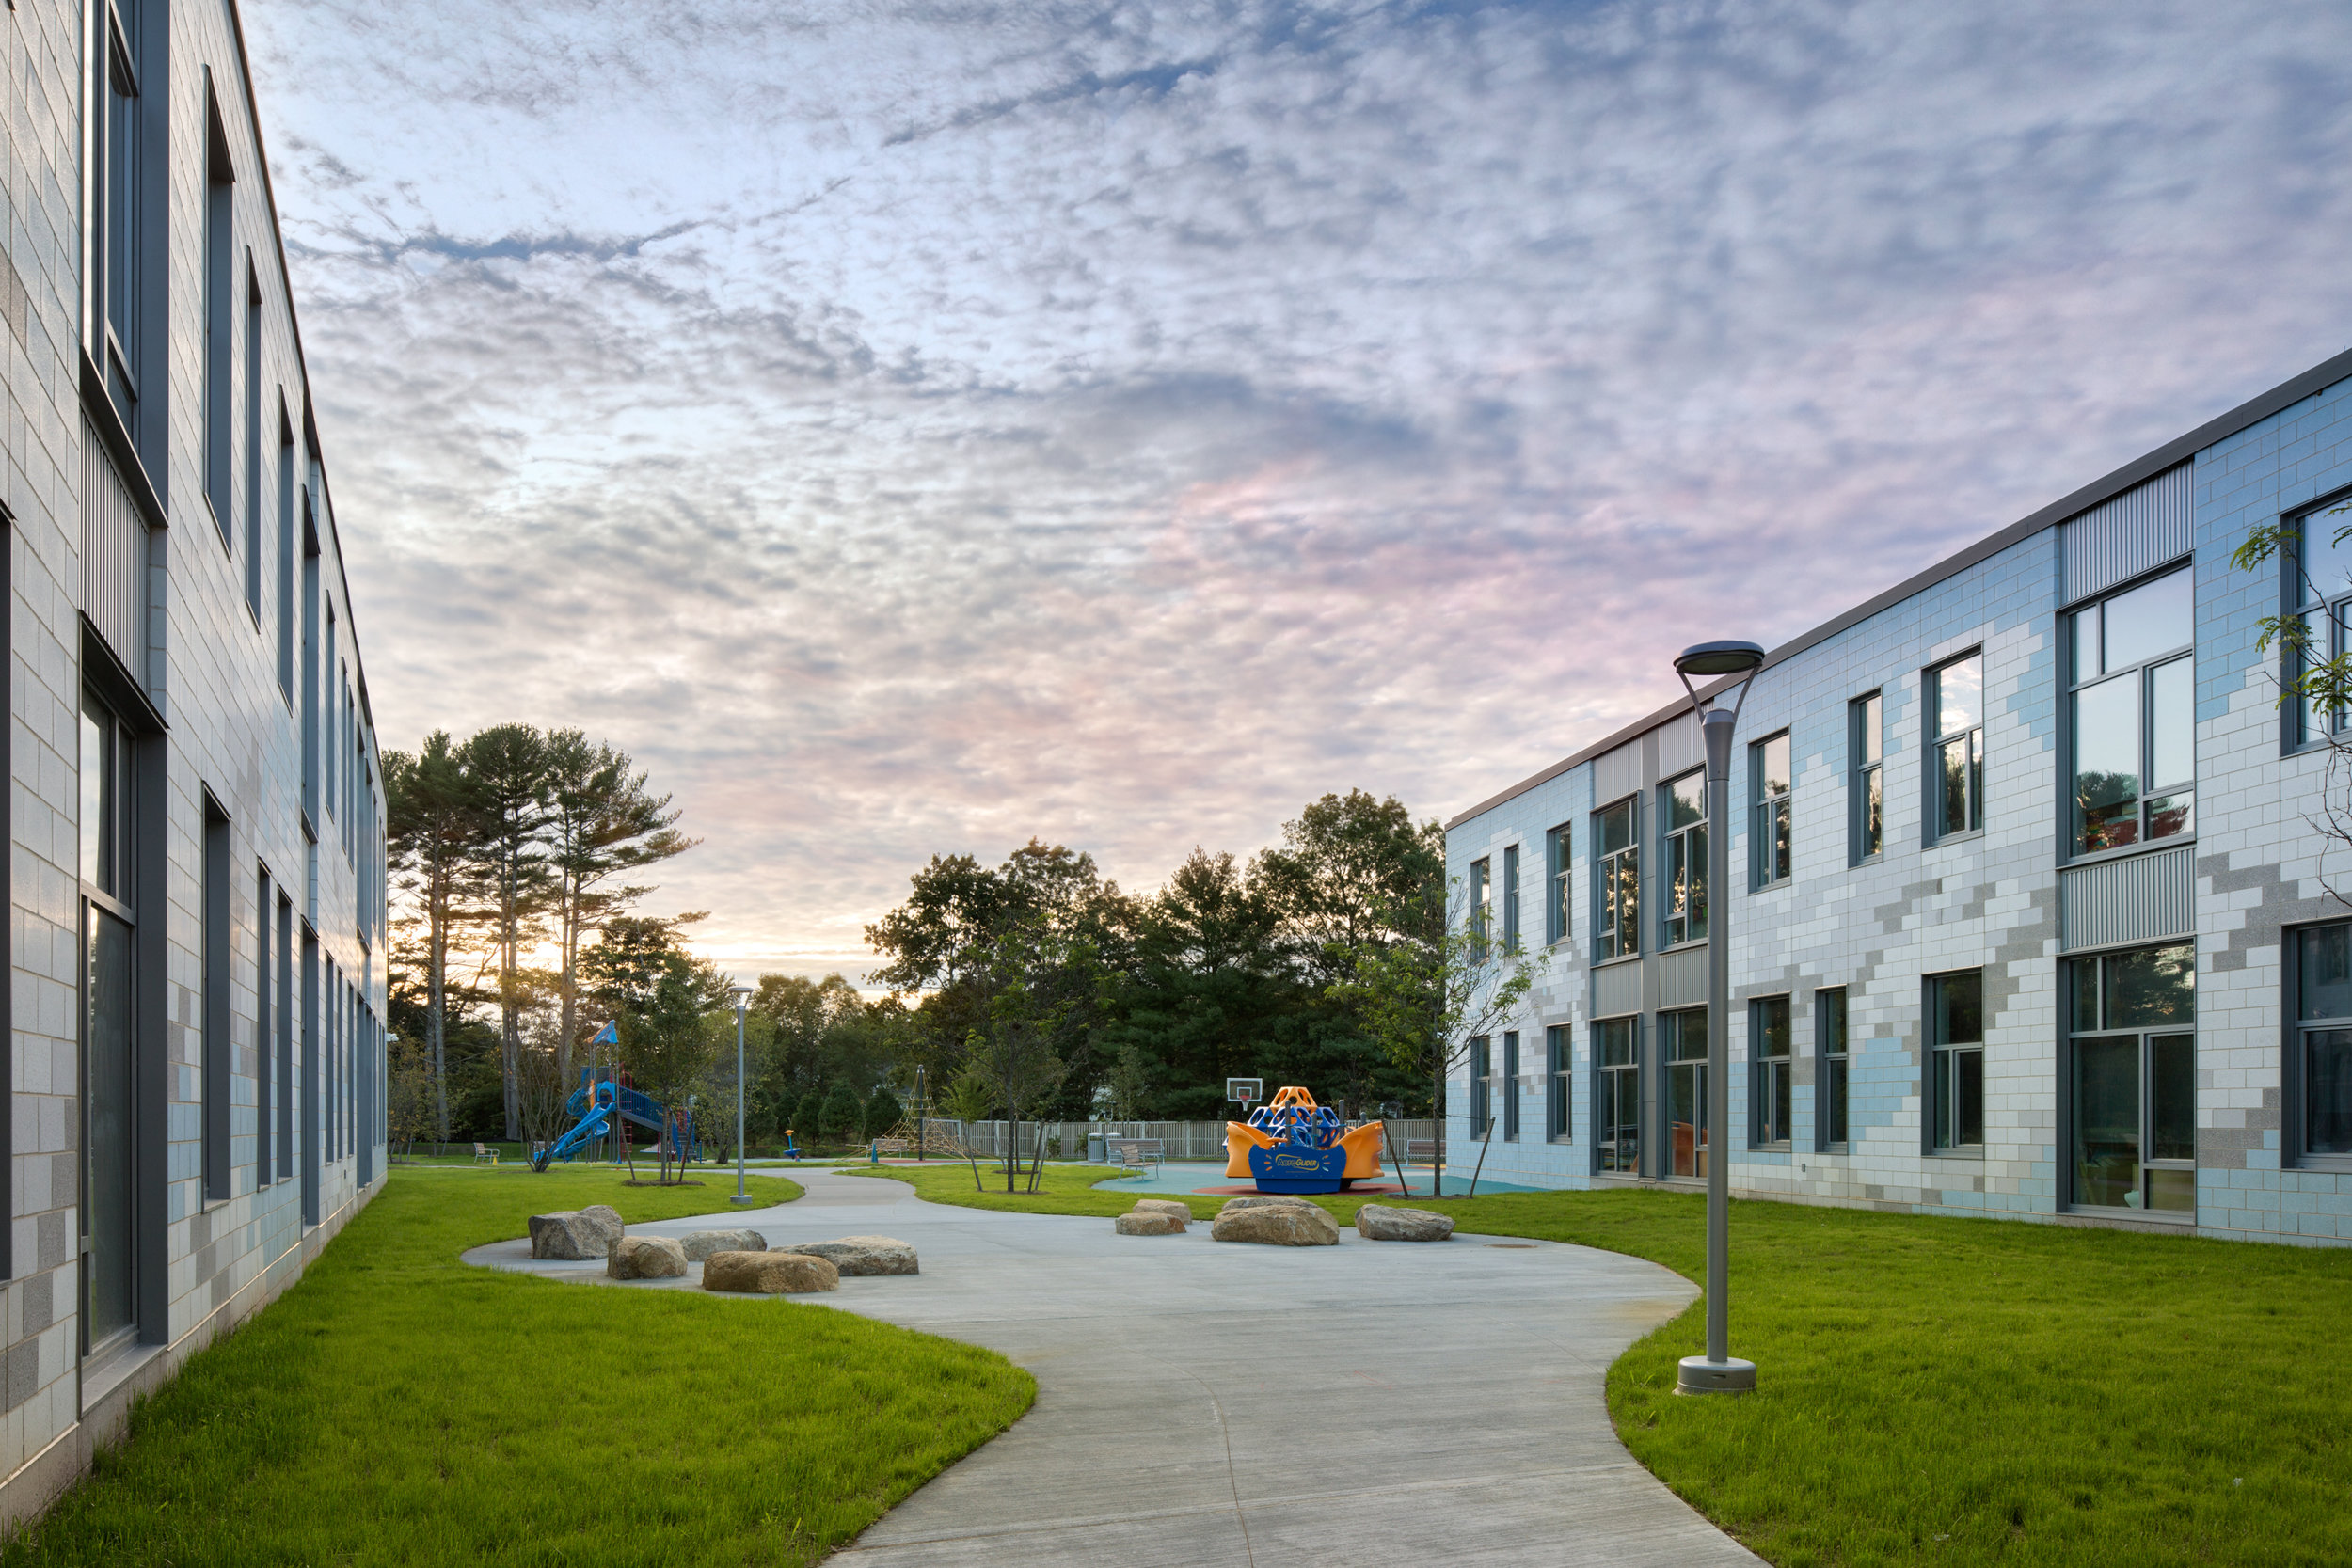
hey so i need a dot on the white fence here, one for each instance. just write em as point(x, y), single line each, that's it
point(1178, 1140)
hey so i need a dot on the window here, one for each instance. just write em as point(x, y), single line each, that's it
point(332, 731)
point(1866, 792)
point(218, 1061)
point(1829, 1080)
point(1617, 1055)
point(1482, 1086)
point(220, 318)
point(2135, 716)
point(2320, 586)
point(1511, 899)
point(1683, 1052)
point(1482, 910)
point(1956, 1077)
point(1556, 884)
point(285, 555)
point(1768, 836)
point(2323, 984)
point(121, 246)
point(110, 1120)
point(1767, 1043)
point(252, 440)
point(1956, 772)
point(1682, 804)
point(1510, 1086)
point(1617, 884)
point(265, 1168)
point(286, 1038)
point(1556, 1071)
point(2133, 1016)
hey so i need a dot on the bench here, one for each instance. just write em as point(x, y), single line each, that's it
point(484, 1155)
point(893, 1146)
point(1420, 1151)
point(1136, 1153)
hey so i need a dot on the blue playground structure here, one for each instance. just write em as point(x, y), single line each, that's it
point(593, 1104)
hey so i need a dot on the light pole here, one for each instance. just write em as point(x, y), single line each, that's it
point(1717, 1372)
point(742, 995)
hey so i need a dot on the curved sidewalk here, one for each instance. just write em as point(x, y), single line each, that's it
point(1207, 1404)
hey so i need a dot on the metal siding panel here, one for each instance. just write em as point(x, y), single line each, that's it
point(1680, 746)
point(2146, 526)
point(1617, 989)
point(1682, 978)
point(1617, 774)
point(114, 556)
point(2139, 898)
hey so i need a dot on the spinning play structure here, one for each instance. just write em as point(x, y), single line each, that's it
point(1291, 1145)
point(593, 1106)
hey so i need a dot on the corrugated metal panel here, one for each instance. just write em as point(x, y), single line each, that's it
point(1682, 978)
point(1680, 746)
point(1617, 774)
point(1616, 991)
point(114, 556)
point(2146, 526)
point(2139, 898)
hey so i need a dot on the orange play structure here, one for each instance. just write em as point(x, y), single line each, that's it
point(1291, 1145)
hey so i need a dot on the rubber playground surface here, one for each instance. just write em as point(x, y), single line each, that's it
point(1209, 1177)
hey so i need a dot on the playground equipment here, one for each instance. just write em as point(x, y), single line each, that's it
point(595, 1104)
point(1291, 1145)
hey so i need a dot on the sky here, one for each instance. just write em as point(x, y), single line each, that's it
point(911, 429)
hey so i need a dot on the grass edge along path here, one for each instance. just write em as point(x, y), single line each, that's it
point(399, 1406)
point(1950, 1390)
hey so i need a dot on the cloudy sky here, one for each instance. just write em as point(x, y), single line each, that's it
point(912, 428)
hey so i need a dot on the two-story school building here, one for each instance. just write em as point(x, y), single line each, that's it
point(2034, 906)
point(195, 983)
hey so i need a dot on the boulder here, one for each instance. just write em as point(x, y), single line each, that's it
point(702, 1243)
point(1376, 1222)
point(769, 1274)
point(1168, 1205)
point(1277, 1225)
point(861, 1255)
point(1149, 1222)
point(574, 1235)
point(1265, 1200)
point(646, 1258)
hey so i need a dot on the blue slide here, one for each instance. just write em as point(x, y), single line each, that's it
point(593, 1104)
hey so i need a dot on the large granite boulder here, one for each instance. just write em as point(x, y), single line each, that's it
point(1265, 1200)
point(1168, 1205)
point(700, 1244)
point(769, 1274)
point(1149, 1222)
point(1376, 1222)
point(1277, 1225)
point(646, 1258)
point(575, 1235)
point(861, 1255)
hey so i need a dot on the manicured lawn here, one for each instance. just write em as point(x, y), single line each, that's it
point(1065, 1189)
point(1966, 1391)
point(398, 1406)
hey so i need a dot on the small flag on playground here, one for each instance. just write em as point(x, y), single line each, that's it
point(607, 1036)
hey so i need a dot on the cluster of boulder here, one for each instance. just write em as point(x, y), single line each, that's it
point(1274, 1219)
point(734, 1261)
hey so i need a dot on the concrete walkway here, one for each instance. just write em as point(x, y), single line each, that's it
point(1206, 1404)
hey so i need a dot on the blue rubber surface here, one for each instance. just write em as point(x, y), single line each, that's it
point(1174, 1177)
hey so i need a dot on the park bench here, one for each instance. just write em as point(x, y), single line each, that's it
point(484, 1155)
point(1420, 1151)
point(893, 1146)
point(1136, 1153)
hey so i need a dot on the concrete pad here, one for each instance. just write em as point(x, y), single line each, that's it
point(1205, 1404)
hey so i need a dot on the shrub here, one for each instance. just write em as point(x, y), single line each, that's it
point(883, 1111)
point(842, 1118)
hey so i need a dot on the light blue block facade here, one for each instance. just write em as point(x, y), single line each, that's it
point(2013, 903)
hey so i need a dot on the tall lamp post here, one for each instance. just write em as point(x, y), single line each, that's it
point(742, 995)
point(1717, 1372)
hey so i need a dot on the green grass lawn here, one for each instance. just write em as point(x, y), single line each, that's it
point(398, 1406)
point(1961, 1391)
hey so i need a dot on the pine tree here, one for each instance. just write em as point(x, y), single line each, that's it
point(883, 1111)
point(843, 1116)
point(806, 1116)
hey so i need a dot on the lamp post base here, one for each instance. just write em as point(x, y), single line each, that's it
point(1701, 1376)
point(742, 1198)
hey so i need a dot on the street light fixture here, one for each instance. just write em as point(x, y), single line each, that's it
point(1717, 1372)
point(742, 995)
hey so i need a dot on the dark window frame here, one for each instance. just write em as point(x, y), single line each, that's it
point(1510, 899)
point(2151, 793)
point(1688, 882)
point(1559, 1124)
point(1833, 1087)
point(1955, 1067)
point(1618, 1097)
point(2145, 1038)
point(1482, 911)
point(1617, 884)
point(1932, 765)
point(1507, 1081)
point(1772, 1078)
point(2294, 1046)
point(2301, 597)
point(1559, 851)
point(1482, 1087)
point(1676, 1060)
point(1772, 820)
point(1866, 774)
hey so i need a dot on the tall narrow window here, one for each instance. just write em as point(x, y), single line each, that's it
point(264, 1038)
point(1482, 910)
point(252, 440)
point(1556, 884)
point(1482, 1086)
point(1682, 1056)
point(1617, 1060)
point(2135, 716)
point(1511, 898)
point(218, 1062)
point(2324, 1041)
point(1865, 743)
point(1771, 1097)
point(2319, 571)
point(1956, 693)
point(1617, 884)
point(1829, 1114)
point(1509, 1084)
point(1682, 810)
point(2134, 1018)
point(285, 556)
point(331, 731)
point(1768, 833)
point(122, 246)
point(311, 740)
point(111, 1124)
point(286, 1100)
point(220, 319)
point(1955, 1084)
point(1556, 1071)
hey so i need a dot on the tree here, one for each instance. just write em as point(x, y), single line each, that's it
point(1348, 870)
point(843, 1115)
point(883, 1111)
point(1425, 999)
point(508, 767)
point(431, 824)
point(658, 995)
point(1041, 985)
point(2311, 676)
point(412, 1100)
point(807, 1115)
point(601, 822)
